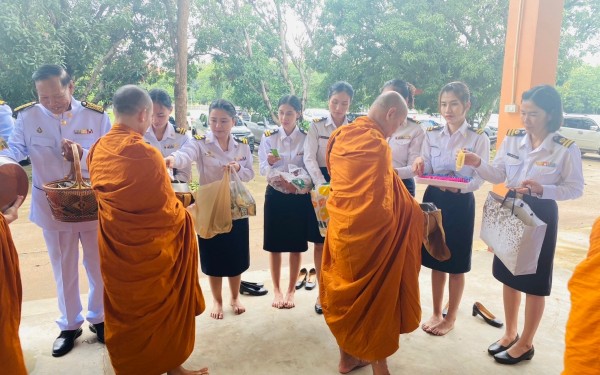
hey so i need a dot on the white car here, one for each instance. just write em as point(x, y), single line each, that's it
point(312, 113)
point(584, 131)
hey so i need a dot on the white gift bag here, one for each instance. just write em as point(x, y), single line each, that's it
point(513, 232)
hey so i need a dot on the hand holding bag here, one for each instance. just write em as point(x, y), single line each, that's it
point(212, 210)
point(513, 232)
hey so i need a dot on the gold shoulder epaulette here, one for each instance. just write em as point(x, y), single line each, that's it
point(476, 130)
point(180, 130)
point(242, 140)
point(434, 128)
point(413, 120)
point(3, 144)
point(22, 108)
point(563, 141)
point(2, 102)
point(270, 132)
point(515, 132)
point(317, 119)
point(93, 107)
point(199, 137)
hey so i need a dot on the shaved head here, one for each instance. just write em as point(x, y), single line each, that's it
point(133, 108)
point(389, 110)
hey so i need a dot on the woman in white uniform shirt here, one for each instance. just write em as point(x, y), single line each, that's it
point(287, 220)
point(440, 147)
point(540, 162)
point(166, 137)
point(406, 142)
point(340, 98)
point(226, 254)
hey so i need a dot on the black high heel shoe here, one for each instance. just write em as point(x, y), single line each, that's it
point(252, 289)
point(496, 348)
point(506, 359)
point(479, 309)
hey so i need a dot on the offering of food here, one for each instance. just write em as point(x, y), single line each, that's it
point(444, 180)
point(274, 152)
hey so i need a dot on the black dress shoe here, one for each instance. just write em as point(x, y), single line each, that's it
point(65, 342)
point(506, 359)
point(301, 278)
point(98, 329)
point(252, 290)
point(251, 283)
point(311, 283)
point(318, 309)
point(496, 348)
point(479, 309)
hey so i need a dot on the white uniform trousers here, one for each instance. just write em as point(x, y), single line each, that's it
point(63, 249)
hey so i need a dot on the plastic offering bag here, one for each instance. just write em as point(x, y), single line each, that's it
point(242, 202)
point(212, 210)
point(319, 197)
point(295, 181)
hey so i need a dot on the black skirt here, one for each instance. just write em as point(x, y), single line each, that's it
point(539, 283)
point(409, 183)
point(286, 222)
point(226, 254)
point(458, 219)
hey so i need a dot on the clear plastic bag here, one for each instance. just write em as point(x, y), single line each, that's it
point(295, 181)
point(242, 202)
point(211, 211)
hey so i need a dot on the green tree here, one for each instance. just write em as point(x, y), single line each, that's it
point(580, 92)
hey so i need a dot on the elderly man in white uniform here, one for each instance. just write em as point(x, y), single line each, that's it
point(44, 131)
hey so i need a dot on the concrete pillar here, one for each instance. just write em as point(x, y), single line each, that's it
point(530, 57)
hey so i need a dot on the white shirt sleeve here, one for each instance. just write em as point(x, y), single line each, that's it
point(414, 150)
point(426, 155)
point(263, 152)
point(496, 172)
point(311, 147)
point(571, 186)
point(17, 148)
point(482, 148)
point(188, 154)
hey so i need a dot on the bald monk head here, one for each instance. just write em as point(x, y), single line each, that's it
point(133, 108)
point(389, 111)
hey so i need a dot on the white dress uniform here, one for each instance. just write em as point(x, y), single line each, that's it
point(440, 148)
point(316, 146)
point(173, 139)
point(290, 149)
point(458, 209)
point(38, 134)
point(6, 124)
point(556, 165)
point(226, 254)
point(210, 158)
point(406, 144)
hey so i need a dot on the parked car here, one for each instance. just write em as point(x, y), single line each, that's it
point(354, 115)
point(312, 113)
point(584, 131)
point(239, 131)
point(491, 128)
point(258, 125)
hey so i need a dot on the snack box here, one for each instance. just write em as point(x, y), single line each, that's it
point(443, 180)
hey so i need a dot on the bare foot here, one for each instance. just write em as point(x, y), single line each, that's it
point(238, 308)
point(217, 310)
point(350, 365)
point(432, 322)
point(183, 371)
point(289, 300)
point(278, 300)
point(442, 328)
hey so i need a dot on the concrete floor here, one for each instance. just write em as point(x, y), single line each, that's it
point(265, 340)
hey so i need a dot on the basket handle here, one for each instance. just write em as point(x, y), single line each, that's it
point(77, 166)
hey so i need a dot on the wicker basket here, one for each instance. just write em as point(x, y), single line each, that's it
point(72, 200)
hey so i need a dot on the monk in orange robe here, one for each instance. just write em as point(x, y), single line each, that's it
point(11, 355)
point(148, 249)
point(372, 254)
point(582, 355)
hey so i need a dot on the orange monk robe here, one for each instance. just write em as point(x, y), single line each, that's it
point(372, 255)
point(148, 257)
point(11, 355)
point(582, 352)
